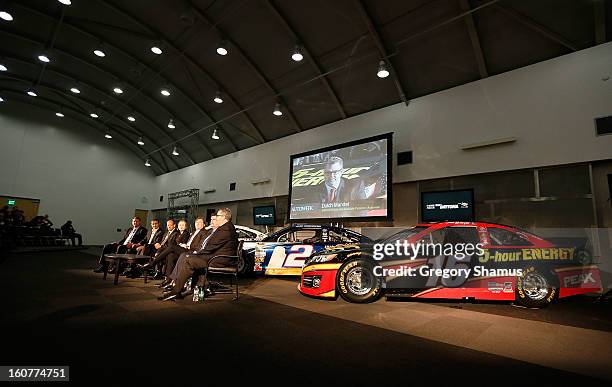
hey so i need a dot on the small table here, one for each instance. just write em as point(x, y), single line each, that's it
point(129, 259)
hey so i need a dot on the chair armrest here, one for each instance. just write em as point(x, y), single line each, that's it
point(222, 256)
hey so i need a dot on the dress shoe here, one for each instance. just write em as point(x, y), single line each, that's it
point(164, 283)
point(158, 275)
point(146, 266)
point(170, 296)
point(168, 287)
point(99, 269)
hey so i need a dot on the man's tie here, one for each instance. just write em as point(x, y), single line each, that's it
point(191, 238)
point(207, 238)
point(332, 195)
point(129, 238)
point(165, 237)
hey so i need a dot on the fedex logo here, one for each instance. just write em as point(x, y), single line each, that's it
point(578, 280)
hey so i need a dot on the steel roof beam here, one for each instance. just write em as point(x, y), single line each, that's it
point(473, 33)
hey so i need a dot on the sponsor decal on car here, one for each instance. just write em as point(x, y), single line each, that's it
point(529, 254)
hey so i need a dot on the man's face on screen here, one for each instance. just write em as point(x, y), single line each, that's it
point(333, 174)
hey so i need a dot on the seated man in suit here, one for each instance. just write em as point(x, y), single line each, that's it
point(223, 240)
point(167, 240)
point(133, 236)
point(155, 235)
point(172, 253)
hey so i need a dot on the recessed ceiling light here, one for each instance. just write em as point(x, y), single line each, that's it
point(277, 111)
point(132, 117)
point(65, 2)
point(156, 48)
point(5, 15)
point(218, 98)
point(107, 135)
point(118, 89)
point(382, 70)
point(297, 54)
point(222, 48)
point(147, 163)
point(165, 90)
point(93, 115)
point(175, 152)
point(75, 90)
point(59, 114)
point(3, 67)
point(140, 142)
point(44, 58)
point(99, 51)
point(171, 124)
point(1, 99)
point(32, 93)
point(215, 136)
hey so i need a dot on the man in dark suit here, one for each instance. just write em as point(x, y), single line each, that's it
point(172, 253)
point(223, 240)
point(155, 235)
point(335, 189)
point(133, 236)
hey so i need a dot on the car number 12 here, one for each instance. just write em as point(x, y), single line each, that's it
point(296, 257)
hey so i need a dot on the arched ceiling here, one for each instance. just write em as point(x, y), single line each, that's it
point(428, 46)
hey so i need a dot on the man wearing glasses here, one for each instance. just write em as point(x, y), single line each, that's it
point(223, 240)
point(334, 189)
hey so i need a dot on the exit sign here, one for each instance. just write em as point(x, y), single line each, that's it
point(11, 202)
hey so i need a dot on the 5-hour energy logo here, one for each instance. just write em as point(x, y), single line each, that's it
point(553, 253)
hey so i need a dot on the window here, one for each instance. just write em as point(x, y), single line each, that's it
point(300, 236)
point(503, 237)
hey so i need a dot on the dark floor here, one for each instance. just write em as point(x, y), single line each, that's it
point(56, 312)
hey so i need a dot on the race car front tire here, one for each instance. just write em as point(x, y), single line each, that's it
point(535, 290)
point(357, 283)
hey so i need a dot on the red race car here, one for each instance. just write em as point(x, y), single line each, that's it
point(452, 260)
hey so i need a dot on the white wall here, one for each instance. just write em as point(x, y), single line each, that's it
point(75, 172)
point(548, 106)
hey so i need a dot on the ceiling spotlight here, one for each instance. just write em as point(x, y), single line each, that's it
point(1, 99)
point(118, 89)
point(132, 117)
point(165, 90)
point(156, 48)
point(75, 90)
point(218, 98)
point(107, 135)
point(277, 111)
point(3, 67)
point(171, 124)
point(32, 93)
point(99, 51)
point(147, 163)
point(44, 58)
point(5, 15)
point(215, 136)
point(222, 48)
point(382, 70)
point(93, 115)
point(175, 152)
point(65, 2)
point(140, 142)
point(59, 114)
point(297, 54)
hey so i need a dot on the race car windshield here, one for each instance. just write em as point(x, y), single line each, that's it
point(404, 234)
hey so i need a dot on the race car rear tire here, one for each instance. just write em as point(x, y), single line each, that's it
point(357, 283)
point(245, 265)
point(535, 290)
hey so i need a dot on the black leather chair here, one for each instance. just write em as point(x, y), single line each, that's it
point(231, 270)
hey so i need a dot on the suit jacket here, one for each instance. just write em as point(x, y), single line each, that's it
point(138, 237)
point(223, 241)
point(181, 237)
point(196, 243)
point(342, 193)
point(169, 237)
point(157, 237)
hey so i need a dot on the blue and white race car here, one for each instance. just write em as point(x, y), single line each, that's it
point(285, 251)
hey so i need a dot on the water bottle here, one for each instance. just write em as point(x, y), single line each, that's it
point(201, 293)
point(188, 284)
point(196, 294)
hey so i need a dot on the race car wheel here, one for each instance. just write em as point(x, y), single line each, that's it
point(245, 265)
point(534, 290)
point(583, 257)
point(357, 283)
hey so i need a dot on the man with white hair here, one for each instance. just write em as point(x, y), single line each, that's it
point(223, 240)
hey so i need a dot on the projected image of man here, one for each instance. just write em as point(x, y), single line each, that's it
point(334, 187)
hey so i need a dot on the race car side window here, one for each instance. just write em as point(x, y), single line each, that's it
point(243, 234)
point(335, 237)
point(288, 237)
point(503, 237)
